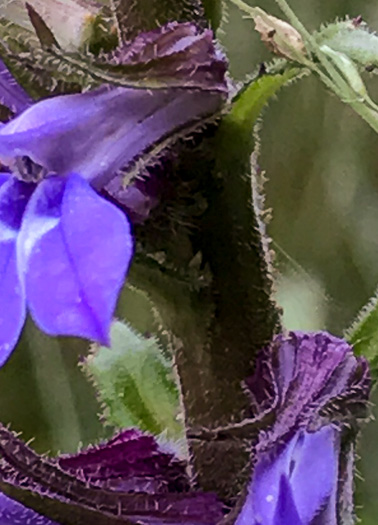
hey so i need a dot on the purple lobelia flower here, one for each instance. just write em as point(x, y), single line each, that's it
point(64, 250)
point(308, 392)
point(129, 479)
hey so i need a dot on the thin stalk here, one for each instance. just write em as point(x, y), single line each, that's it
point(330, 76)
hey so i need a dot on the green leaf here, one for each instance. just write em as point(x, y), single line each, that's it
point(251, 99)
point(363, 334)
point(135, 383)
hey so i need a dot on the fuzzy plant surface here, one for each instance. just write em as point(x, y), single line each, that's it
point(129, 161)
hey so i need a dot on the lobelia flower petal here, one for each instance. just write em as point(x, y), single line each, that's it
point(74, 250)
point(286, 512)
point(11, 93)
point(99, 132)
point(314, 486)
point(13, 513)
point(4, 177)
point(307, 488)
point(14, 196)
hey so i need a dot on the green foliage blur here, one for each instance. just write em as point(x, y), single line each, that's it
point(322, 187)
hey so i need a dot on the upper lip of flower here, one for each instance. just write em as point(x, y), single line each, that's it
point(99, 132)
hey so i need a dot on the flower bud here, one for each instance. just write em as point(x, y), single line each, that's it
point(279, 36)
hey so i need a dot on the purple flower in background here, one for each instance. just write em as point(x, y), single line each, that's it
point(64, 250)
point(310, 390)
point(129, 479)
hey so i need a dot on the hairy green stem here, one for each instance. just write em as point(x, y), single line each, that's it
point(221, 318)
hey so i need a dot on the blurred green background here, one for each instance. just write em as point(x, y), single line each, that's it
point(322, 185)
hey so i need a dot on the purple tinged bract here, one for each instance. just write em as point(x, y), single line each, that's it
point(186, 54)
point(128, 479)
point(130, 461)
